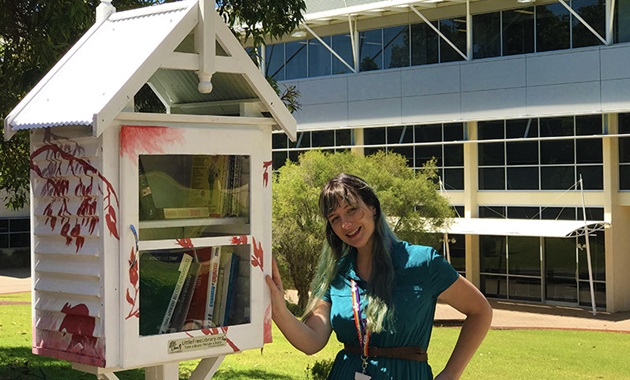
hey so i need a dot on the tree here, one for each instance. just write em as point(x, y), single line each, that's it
point(34, 34)
point(409, 200)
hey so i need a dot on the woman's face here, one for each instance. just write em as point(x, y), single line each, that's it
point(354, 225)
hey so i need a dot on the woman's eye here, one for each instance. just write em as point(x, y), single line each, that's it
point(333, 220)
point(352, 211)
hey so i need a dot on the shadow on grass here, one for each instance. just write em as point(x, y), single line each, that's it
point(253, 374)
point(19, 363)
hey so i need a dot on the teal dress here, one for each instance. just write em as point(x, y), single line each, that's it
point(420, 275)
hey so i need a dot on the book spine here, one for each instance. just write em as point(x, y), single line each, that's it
point(184, 267)
point(186, 212)
point(231, 291)
point(214, 276)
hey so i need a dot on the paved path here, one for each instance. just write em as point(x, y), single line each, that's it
point(507, 314)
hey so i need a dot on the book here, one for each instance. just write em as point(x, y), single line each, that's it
point(159, 276)
point(229, 267)
point(230, 294)
point(212, 286)
point(183, 269)
point(184, 300)
point(185, 212)
point(196, 314)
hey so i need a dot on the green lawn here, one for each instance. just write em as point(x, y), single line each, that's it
point(505, 354)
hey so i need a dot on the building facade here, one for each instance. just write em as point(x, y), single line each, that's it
point(525, 105)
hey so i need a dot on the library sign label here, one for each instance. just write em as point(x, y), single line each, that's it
point(196, 343)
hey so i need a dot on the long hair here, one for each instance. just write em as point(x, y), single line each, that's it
point(353, 190)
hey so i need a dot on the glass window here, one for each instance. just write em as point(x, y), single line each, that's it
point(20, 225)
point(20, 240)
point(323, 139)
point(428, 133)
point(303, 140)
point(494, 286)
point(556, 152)
point(399, 135)
point(396, 46)
point(487, 35)
point(524, 288)
point(598, 259)
point(489, 130)
point(592, 176)
point(521, 212)
point(4, 225)
point(374, 136)
point(427, 152)
point(342, 45)
point(624, 142)
point(370, 50)
point(521, 128)
point(454, 30)
point(274, 61)
point(556, 177)
point(518, 31)
point(296, 60)
point(279, 159)
point(319, 58)
point(622, 21)
point(492, 254)
point(522, 178)
point(524, 255)
point(492, 212)
point(343, 137)
point(599, 289)
point(279, 141)
point(588, 125)
point(560, 213)
point(624, 177)
point(522, 153)
point(424, 45)
point(453, 179)
point(593, 12)
point(556, 127)
point(588, 151)
point(453, 131)
point(491, 179)
point(454, 155)
point(552, 27)
point(491, 154)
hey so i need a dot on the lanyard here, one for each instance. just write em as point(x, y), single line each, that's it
point(359, 322)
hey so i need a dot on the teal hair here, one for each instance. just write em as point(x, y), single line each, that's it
point(352, 190)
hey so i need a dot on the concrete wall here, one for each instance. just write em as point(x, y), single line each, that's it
point(579, 81)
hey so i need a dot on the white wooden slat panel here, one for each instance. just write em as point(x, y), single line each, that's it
point(86, 286)
point(51, 321)
point(88, 226)
point(56, 245)
point(70, 265)
point(56, 302)
point(75, 187)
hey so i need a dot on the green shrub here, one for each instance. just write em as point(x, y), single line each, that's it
point(320, 370)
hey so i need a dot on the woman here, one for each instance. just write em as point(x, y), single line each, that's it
point(378, 294)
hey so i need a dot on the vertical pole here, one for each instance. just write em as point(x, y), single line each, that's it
point(168, 371)
point(588, 250)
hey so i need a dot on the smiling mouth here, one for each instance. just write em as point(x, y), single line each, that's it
point(354, 233)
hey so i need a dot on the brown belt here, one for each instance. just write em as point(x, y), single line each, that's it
point(405, 352)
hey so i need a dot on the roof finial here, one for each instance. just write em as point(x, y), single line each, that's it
point(104, 10)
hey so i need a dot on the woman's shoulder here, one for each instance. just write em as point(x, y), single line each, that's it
point(412, 255)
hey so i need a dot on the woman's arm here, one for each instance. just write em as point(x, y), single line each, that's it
point(467, 299)
point(309, 337)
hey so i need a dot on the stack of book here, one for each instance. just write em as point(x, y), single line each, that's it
point(217, 187)
point(191, 289)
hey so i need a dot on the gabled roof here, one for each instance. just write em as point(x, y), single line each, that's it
point(103, 71)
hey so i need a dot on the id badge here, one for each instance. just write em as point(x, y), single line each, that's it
point(361, 376)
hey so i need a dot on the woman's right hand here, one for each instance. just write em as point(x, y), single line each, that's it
point(277, 290)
